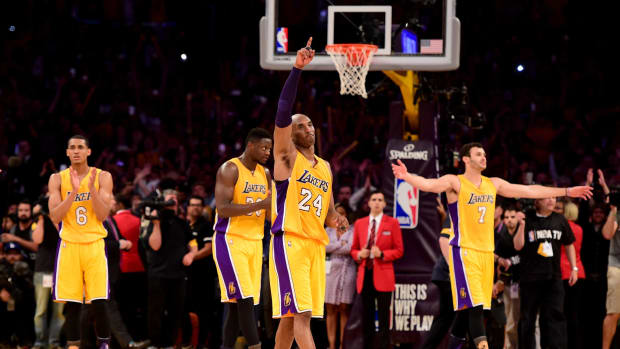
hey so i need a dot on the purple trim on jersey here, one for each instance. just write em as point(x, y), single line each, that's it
point(222, 224)
point(454, 216)
point(225, 265)
point(281, 189)
point(463, 296)
point(284, 281)
point(56, 265)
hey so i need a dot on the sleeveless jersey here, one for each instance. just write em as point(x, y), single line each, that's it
point(301, 202)
point(250, 188)
point(472, 215)
point(80, 224)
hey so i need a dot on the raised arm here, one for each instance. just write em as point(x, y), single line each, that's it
point(284, 151)
point(611, 225)
point(102, 198)
point(225, 181)
point(534, 191)
point(59, 207)
point(434, 185)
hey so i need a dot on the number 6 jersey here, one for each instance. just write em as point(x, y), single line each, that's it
point(251, 187)
point(300, 203)
point(472, 215)
point(80, 224)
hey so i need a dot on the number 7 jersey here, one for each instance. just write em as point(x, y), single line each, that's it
point(300, 203)
point(80, 224)
point(472, 215)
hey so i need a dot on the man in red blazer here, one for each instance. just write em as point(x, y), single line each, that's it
point(377, 242)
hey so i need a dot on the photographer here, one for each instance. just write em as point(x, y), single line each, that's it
point(45, 235)
point(21, 233)
point(17, 292)
point(611, 232)
point(170, 250)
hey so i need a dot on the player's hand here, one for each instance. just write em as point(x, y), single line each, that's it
point(441, 210)
point(400, 170)
point(376, 252)
point(498, 288)
point(574, 275)
point(188, 259)
point(341, 222)
point(91, 179)
point(75, 180)
point(364, 253)
point(266, 202)
point(304, 55)
point(582, 191)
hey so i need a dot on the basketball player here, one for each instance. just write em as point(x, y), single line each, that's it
point(80, 200)
point(242, 202)
point(302, 204)
point(471, 203)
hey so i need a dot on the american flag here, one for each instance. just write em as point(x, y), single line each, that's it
point(431, 46)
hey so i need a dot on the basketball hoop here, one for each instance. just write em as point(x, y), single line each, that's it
point(352, 62)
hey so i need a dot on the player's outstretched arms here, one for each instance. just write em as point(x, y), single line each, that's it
point(283, 148)
point(225, 181)
point(510, 190)
point(433, 185)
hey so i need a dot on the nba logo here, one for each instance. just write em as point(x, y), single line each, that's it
point(282, 40)
point(406, 204)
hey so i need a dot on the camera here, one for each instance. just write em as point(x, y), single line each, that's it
point(155, 201)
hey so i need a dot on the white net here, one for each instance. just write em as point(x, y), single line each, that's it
point(352, 62)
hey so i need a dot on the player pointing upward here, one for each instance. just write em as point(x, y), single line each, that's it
point(471, 202)
point(302, 204)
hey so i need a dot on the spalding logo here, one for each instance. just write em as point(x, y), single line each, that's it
point(409, 147)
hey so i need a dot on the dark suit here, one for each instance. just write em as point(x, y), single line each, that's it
point(378, 282)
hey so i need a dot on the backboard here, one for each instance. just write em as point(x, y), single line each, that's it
point(419, 35)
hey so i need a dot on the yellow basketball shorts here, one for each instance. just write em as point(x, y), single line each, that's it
point(471, 277)
point(296, 275)
point(81, 272)
point(239, 265)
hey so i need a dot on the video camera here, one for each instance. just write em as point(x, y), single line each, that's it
point(155, 201)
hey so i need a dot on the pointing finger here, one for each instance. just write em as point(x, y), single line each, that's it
point(309, 43)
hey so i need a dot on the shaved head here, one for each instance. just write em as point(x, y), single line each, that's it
point(302, 131)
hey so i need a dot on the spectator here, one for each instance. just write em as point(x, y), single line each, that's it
point(441, 278)
point(540, 285)
point(509, 265)
point(48, 318)
point(340, 281)
point(171, 250)
point(202, 280)
point(572, 294)
point(132, 278)
point(22, 232)
point(344, 195)
point(610, 231)
point(377, 242)
point(594, 255)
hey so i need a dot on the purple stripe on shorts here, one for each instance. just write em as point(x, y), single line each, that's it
point(281, 189)
point(454, 216)
point(462, 290)
point(225, 265)
point(287, 299)
point(222, 224)
point(56, 265)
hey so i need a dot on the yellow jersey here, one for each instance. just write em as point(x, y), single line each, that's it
point(300, 203)
point(80, 224)
point(472, 215)
point(250, 187)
